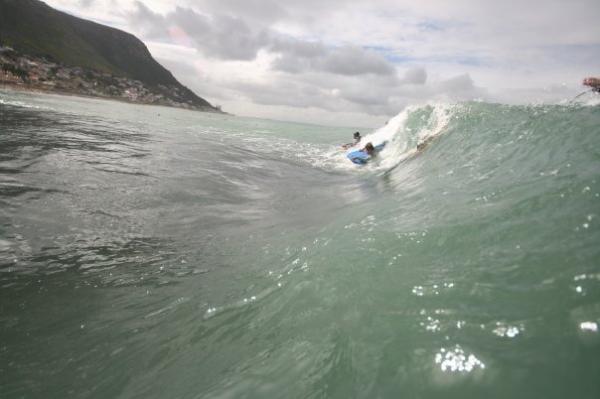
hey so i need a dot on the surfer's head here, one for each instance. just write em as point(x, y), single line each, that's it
point(370, 149)
point(357, 136)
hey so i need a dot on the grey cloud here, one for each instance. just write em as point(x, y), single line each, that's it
point(219, 36)
point(416, 76)
point(305, 74)
point(458, 84)
point(301, 49)
point(294, 94)
point(356, 61)
point(225, 37)
point(150, 24)
point(298, 56)
point(380, 95)
point(370, 90)
point(258, 11)
point(371, 94)
point(291, 65)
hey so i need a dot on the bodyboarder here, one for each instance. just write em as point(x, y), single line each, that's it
point(357, 139)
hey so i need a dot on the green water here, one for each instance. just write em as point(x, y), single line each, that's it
point(148, 252)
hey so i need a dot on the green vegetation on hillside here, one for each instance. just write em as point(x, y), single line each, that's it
point(32, 27)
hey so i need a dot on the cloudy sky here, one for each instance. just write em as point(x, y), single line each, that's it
point(358, 62)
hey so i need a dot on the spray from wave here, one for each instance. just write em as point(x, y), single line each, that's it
point(404, 133)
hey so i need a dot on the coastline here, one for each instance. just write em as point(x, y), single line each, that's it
point(40, 90)
point(27, 73)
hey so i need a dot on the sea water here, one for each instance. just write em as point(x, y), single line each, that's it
point(149, 252)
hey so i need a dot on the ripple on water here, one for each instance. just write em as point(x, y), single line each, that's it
point(507, 331)
point(432, 289)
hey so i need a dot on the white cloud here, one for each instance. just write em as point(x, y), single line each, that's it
point(318, 59)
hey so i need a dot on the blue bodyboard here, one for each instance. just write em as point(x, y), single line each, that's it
point(360, 157)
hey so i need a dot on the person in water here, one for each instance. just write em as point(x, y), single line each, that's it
point(357, 139)
point(594, 83)
point(369, 149)
point(368, 152)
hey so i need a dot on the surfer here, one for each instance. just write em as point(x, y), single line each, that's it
point(357, 139)
point(370, 149)
point(594, 83)
point(365, 154)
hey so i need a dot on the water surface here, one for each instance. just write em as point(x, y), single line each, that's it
point(148, 252)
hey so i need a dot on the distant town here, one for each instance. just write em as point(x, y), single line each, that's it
point(21, 71)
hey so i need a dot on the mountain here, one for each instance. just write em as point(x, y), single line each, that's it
point(35, 29)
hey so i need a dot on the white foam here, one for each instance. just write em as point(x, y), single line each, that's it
point(21, 104)
point(401, 140)
point(589, 326)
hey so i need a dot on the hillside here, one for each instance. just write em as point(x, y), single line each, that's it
point(34, 29)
